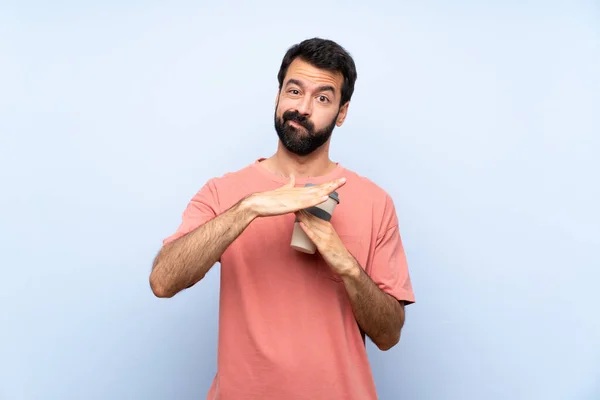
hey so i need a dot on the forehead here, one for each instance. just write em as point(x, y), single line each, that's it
point(312, 76)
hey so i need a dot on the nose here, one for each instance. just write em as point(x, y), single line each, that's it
point(304, 106)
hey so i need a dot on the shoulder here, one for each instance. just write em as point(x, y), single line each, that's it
point(229, 187)
point(367, 188)
point(366, 194)
point(232, 176)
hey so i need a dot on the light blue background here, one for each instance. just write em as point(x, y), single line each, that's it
point(482, 120)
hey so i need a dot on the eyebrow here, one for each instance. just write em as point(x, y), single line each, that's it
point(324, 88)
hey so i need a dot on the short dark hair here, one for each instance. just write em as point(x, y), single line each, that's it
point(324, 54)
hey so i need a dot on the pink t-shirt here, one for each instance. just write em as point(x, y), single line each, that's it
point(286, 327)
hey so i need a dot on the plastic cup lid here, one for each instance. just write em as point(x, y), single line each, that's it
point(333, 195)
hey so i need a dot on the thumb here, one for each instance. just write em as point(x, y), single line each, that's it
point(291, 183)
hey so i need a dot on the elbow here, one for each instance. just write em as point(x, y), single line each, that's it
point(386, 343)
point(159, 288)
point(162, 293)
point(392, 336)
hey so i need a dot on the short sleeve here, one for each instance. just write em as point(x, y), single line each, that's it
point(202, 208)
point(389, 267)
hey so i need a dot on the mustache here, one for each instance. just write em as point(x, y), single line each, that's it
point(299, 119)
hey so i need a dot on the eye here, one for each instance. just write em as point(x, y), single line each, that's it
point(323, 99)
point(295, 92)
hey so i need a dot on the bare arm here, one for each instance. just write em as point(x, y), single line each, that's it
point(380, 315)
point(184, 262)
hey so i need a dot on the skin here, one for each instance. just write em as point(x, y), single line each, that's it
point(378, 314)
point(181, 264)
point(185, 261)
point(321, 106)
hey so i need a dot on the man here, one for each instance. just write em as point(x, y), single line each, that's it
point(292, 325)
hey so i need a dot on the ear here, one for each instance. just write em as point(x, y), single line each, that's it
point(342, 114)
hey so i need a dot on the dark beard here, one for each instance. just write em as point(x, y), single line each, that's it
point(301, 143)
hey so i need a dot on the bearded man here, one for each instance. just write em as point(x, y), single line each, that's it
point(292, 325)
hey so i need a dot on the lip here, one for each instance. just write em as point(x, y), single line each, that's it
point(294, 123)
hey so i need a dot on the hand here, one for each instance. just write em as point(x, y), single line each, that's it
point(328, 244)
point(288, 199)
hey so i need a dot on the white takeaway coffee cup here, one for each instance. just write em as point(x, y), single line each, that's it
point(300, 241)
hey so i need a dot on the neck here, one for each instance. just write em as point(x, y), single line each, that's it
point(315, 164)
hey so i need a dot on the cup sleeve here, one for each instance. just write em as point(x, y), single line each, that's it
point(201, 208)
point(389, 268)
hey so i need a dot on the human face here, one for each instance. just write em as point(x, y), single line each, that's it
point(308, 107)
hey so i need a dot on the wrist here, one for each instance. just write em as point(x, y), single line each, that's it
point(352, 271)
point(246, 209)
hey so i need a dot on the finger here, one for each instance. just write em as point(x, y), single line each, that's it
point(329, 187)
point(291, 183)
point(304, 218)
point(312, 200)
point(314, 223)
point(319, 194)
point(308, 217)
point(310, 233)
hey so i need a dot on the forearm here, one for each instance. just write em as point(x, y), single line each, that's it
point(378, 314)
point(186, 261)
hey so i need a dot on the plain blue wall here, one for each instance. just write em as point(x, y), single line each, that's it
point(481, 120)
